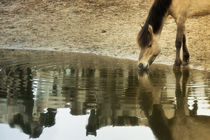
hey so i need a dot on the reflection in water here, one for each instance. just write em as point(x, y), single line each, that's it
point(16, 101)
point(175, 120)
point(33, 85)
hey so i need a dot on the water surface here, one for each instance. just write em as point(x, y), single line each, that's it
point(51, 95)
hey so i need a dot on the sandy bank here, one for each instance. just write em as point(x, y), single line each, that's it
point(102, 27)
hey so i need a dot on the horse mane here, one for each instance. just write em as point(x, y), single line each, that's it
point(155, 18)
point(144, 36)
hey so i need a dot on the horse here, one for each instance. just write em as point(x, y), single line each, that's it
point(149, 34)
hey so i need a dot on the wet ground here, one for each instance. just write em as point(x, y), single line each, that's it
point(101, 27)
point(57, 95)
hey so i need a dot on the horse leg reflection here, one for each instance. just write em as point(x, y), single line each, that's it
point(184, 124)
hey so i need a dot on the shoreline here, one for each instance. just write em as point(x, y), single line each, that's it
point(48, 50)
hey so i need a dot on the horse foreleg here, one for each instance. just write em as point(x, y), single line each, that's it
point(179, 40)
point(178, 44)
point(186, 54)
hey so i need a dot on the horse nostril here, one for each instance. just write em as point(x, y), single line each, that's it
point(140, 66)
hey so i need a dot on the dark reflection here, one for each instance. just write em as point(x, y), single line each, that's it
point(93, 124)
point(185, 123)
point(17, 94)
point(33, 85)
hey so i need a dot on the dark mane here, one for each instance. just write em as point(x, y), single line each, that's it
point(144, 37)
point(155, 18)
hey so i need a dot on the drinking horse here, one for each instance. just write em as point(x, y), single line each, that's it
point(149, 35)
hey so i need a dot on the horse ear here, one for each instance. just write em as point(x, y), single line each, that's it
point(150, 29)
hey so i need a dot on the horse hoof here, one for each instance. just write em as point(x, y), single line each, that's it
point(185, 63)
point(175, 67)
point(177, 63)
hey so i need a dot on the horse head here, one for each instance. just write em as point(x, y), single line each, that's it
point(148, 45)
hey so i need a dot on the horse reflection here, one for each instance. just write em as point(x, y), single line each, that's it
point(185, 124)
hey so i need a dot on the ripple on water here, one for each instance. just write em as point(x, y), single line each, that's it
point(35, 85)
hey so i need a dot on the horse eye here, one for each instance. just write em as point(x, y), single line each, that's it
point(150, 45)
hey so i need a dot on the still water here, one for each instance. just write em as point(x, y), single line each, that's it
point(51, 95)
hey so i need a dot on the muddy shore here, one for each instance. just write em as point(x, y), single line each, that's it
point(101, 27)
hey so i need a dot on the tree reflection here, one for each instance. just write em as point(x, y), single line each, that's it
point(167, 101)
point(20, 103)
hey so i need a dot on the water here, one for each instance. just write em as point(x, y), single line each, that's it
point(51, 95)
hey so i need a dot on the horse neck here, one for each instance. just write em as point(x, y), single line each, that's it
point(157, 15)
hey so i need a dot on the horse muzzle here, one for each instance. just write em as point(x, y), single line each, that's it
point(143, 67)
